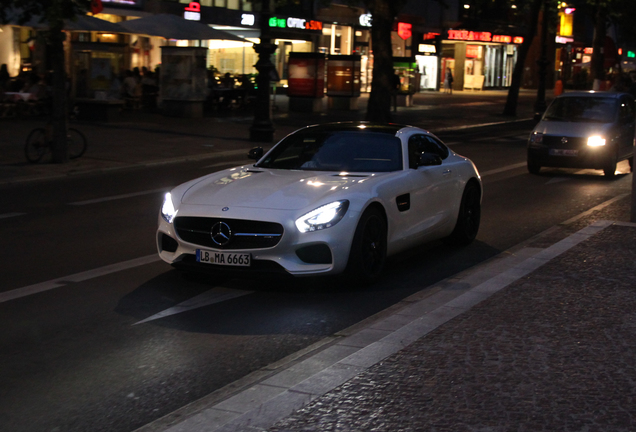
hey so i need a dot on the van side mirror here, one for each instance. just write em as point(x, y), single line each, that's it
point(256, 153)
point(429, 159)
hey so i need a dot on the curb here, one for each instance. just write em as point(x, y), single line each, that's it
point(221, 154)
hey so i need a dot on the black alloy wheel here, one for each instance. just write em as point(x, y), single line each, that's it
point(368, 249)
point(469, 217)
point(533, 166)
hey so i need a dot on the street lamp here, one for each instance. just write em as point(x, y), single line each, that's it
point(262, 129)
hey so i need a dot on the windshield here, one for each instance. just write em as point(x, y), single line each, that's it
point(575, 109)
point(350, 151)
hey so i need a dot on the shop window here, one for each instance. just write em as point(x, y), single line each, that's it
point(247, 5)
point(233, 4)
point(219, 3)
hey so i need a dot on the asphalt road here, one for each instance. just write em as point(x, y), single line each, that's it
point(117, 338)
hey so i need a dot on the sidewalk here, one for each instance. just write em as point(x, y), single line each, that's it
point(540, 338)
point(138, 138)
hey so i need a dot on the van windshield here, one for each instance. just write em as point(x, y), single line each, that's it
point(582, 109)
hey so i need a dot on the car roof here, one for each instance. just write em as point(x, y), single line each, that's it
point(388, 128)
point(592, 93)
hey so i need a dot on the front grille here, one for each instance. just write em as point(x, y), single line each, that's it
point(245, 234)
point(555, 141)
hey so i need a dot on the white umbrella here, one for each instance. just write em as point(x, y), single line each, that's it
point(174, 27)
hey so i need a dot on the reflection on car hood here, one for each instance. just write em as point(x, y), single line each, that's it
point(571, 129)
point(268, 189)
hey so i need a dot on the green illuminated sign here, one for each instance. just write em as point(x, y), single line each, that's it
point(631, 54)
point(277, 22)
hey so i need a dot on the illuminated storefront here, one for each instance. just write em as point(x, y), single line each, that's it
point(479, 59)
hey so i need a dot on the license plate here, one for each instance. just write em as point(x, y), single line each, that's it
point(224, 258)
point(563, 152)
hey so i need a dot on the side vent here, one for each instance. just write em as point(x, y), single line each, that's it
point(403, 202)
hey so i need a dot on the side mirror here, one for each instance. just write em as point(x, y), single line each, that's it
point(256, 153)
point(429, 159)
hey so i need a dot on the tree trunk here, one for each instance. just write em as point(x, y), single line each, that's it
point(510, 109)
point(379, 106)
point(600, 32)
point(60, 97)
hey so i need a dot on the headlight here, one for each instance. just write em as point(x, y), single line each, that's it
point(168, 211)
point(323, 217)
point(536, 138)
point(595, 141)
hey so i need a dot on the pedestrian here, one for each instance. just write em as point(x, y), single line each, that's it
point(395, 88)
point(448, 81)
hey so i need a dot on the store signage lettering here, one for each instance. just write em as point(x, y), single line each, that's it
point(295, 23)
point(427, 49)
point(366, 20)
point(430, 35)
point(248, 19)
point(404, 30)
point(631, 54)
point(467, 35)
point(192, 12)
point(563, 40)
point(588, 50)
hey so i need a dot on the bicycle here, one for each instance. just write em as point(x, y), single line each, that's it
point(39, 143)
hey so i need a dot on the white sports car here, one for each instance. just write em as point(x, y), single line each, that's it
point(327, 199)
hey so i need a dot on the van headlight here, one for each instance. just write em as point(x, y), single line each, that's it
point(323, 217)
point(168, 211)
point(596, 141)
point(536, 139)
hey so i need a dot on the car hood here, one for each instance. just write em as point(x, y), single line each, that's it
point(572, 129)
point(269, 189)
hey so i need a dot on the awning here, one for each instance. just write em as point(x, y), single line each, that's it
point(174, 27)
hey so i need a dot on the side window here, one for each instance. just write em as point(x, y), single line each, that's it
point(433, 145)
point(627, 110)
point(419, 144)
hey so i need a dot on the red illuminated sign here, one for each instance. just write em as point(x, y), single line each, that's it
point(404, 30)
point(469, 35)
point(502, 38)
point(466, 35)
point(429, 35)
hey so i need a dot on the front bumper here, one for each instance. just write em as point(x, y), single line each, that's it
point(578, 157)
point(299, 254)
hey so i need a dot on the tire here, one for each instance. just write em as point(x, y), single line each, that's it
point(36, 145)
point(610, 168)
point(76, 143)
point(469, 217)
point(368, 249)
point(533, 166)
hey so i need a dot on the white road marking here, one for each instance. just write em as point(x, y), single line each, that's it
point(77, 277)
point(117, 197)
point(503, 169)
point(215, 295)
point(9, 215)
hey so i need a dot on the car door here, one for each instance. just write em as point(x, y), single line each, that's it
point(431, 188)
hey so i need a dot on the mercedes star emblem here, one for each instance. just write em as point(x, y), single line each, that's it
point(564, 140)
point(221, 233)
